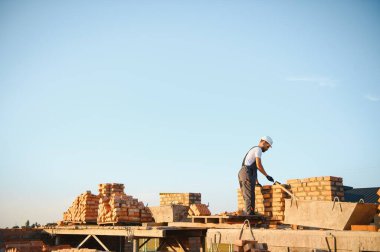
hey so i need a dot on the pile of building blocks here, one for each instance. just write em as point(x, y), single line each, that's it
point(117, 207)
point(83, 210)
point(111, 206)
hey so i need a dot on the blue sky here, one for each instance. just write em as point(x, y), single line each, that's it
point(167, 96)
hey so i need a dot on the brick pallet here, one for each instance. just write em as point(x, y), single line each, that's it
point(83, 210)
point(115, 207)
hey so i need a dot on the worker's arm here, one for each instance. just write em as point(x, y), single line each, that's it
point(260, 166)
point(262, 170)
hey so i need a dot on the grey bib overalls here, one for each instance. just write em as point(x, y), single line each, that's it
point(247, 181)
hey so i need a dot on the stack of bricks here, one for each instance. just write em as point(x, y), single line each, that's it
point(318, 188)
point(117, 207)
point(199, 210)
point(84, 209)
point(186, 199)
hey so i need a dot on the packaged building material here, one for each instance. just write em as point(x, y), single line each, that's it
point(117, 207)
point(84, 209)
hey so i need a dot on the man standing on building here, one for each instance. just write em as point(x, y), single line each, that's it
point(248, 173)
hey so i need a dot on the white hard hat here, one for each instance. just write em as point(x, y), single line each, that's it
point(267, 139)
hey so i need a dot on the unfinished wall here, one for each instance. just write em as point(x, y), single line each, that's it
point(270, 200)
point(317, 188)
point(185, 199)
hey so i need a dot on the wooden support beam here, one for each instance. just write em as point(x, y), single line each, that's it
point(135, 245)
point(145, 242)
point(85, 239)
point(100, 242)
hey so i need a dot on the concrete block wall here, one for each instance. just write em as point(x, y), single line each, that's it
point(185, 199)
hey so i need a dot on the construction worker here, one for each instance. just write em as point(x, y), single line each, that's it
point(248, 173)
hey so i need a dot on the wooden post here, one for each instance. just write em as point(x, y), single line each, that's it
point(203, 244)
point(57, 240)
point(136, 245)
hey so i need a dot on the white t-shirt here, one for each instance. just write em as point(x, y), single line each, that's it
point(252, 155)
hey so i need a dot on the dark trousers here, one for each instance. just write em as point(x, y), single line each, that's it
point(247, 181)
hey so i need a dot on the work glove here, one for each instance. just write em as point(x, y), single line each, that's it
point(270, 179)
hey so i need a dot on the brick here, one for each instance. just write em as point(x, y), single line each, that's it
point(329, 187)
point(338, 183)
point(300, 194)
point(313, 184)
point(292, 181)
point(371, 228)
point(313, 193)
point(327, 193)
point(277, 209)
point(332, 178)
point(326, 183)
point(296, 185)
